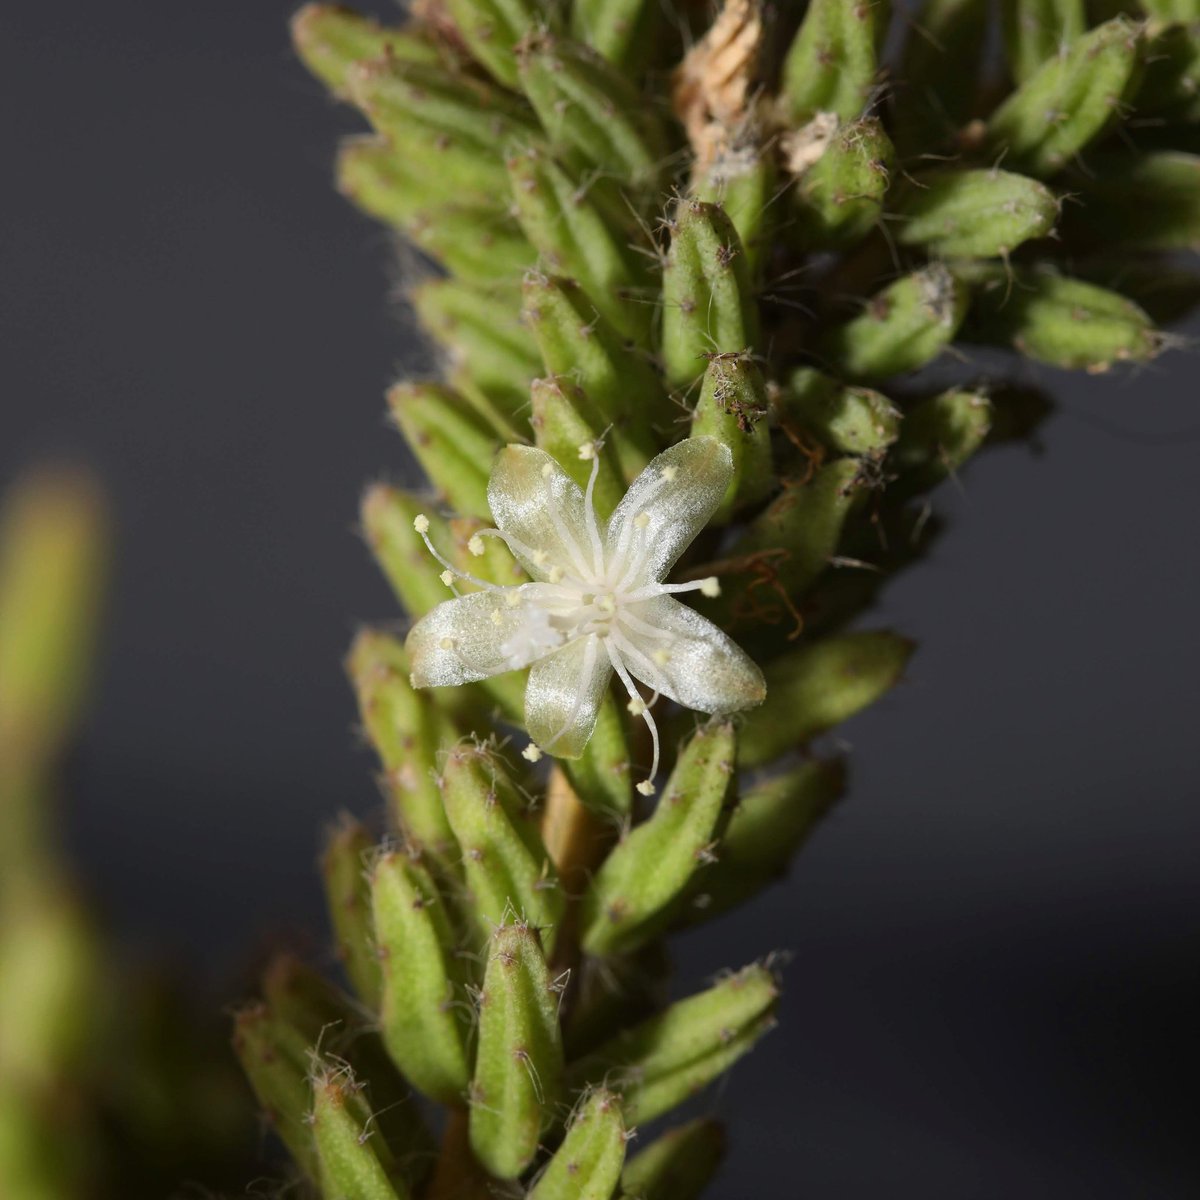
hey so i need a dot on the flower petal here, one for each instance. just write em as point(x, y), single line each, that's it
point(687, 658)
point(539, 505)
point(476, 636)
point(564, 694)
point(667, 505)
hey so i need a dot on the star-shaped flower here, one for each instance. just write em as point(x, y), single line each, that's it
point(598, 603)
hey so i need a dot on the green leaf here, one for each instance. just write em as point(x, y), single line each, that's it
point(677, 1165)
point(798, 532)
point(425, 971)
point(580, 232)
point(1069, 100)
point(354, 1162)
point(832, 63)
point(732, 408)
point(708, 300)
point(330, 39)
point(587, 1166)
point(348, 897)
point(53, 547)
point(849, 420)
point(662, 1062)
point(819, 686)
point(652, 865)
point(492, 30)
point(453, 444)
point(772, 821)
point(743, 181)
point(1064, 322)
point(275, 1057)
point(519, 1062)
point(325, 1018)
point(387, 514)
point(903, 327)
point(593, 115)
point(1036, 30)
point(939, 434)
point(600, 776)
point(407, 728)
point(619, 380)
point(450, 127)
point(485, 346)
point(622, 31)
point(974, 214)
point(508, 871)
point(839, 199)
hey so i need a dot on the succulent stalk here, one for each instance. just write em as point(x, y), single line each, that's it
point(52, 558)
point(704, 291)
point(110, 1085)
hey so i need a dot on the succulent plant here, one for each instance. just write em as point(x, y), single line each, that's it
point(703, 287)
point(110, 1082)
point(51, 559)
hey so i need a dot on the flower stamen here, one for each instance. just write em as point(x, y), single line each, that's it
point(637, 523)
point(648, 670)
point(421, 525)
point(709, 586)
point(589, 509)
point(646, 787)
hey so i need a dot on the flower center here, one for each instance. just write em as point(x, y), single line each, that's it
point(535, 636)
point(597, 610)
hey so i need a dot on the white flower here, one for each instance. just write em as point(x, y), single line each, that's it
point(598, 604)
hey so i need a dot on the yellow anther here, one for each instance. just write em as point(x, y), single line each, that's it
point(710, 587)
point(669, 473)
point(636, 706)
point(661, 657)
point(646, 788)
point(556, 574)
point(447, 577)
point(475, 545)
point(421, 523)
point(587, 451)
point(539, 558)
point(641, 520)
point(412, 680)
point(447, 643)
point(607, 604)
point(531, 753)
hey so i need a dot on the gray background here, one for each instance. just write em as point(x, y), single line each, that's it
point(994, 981)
